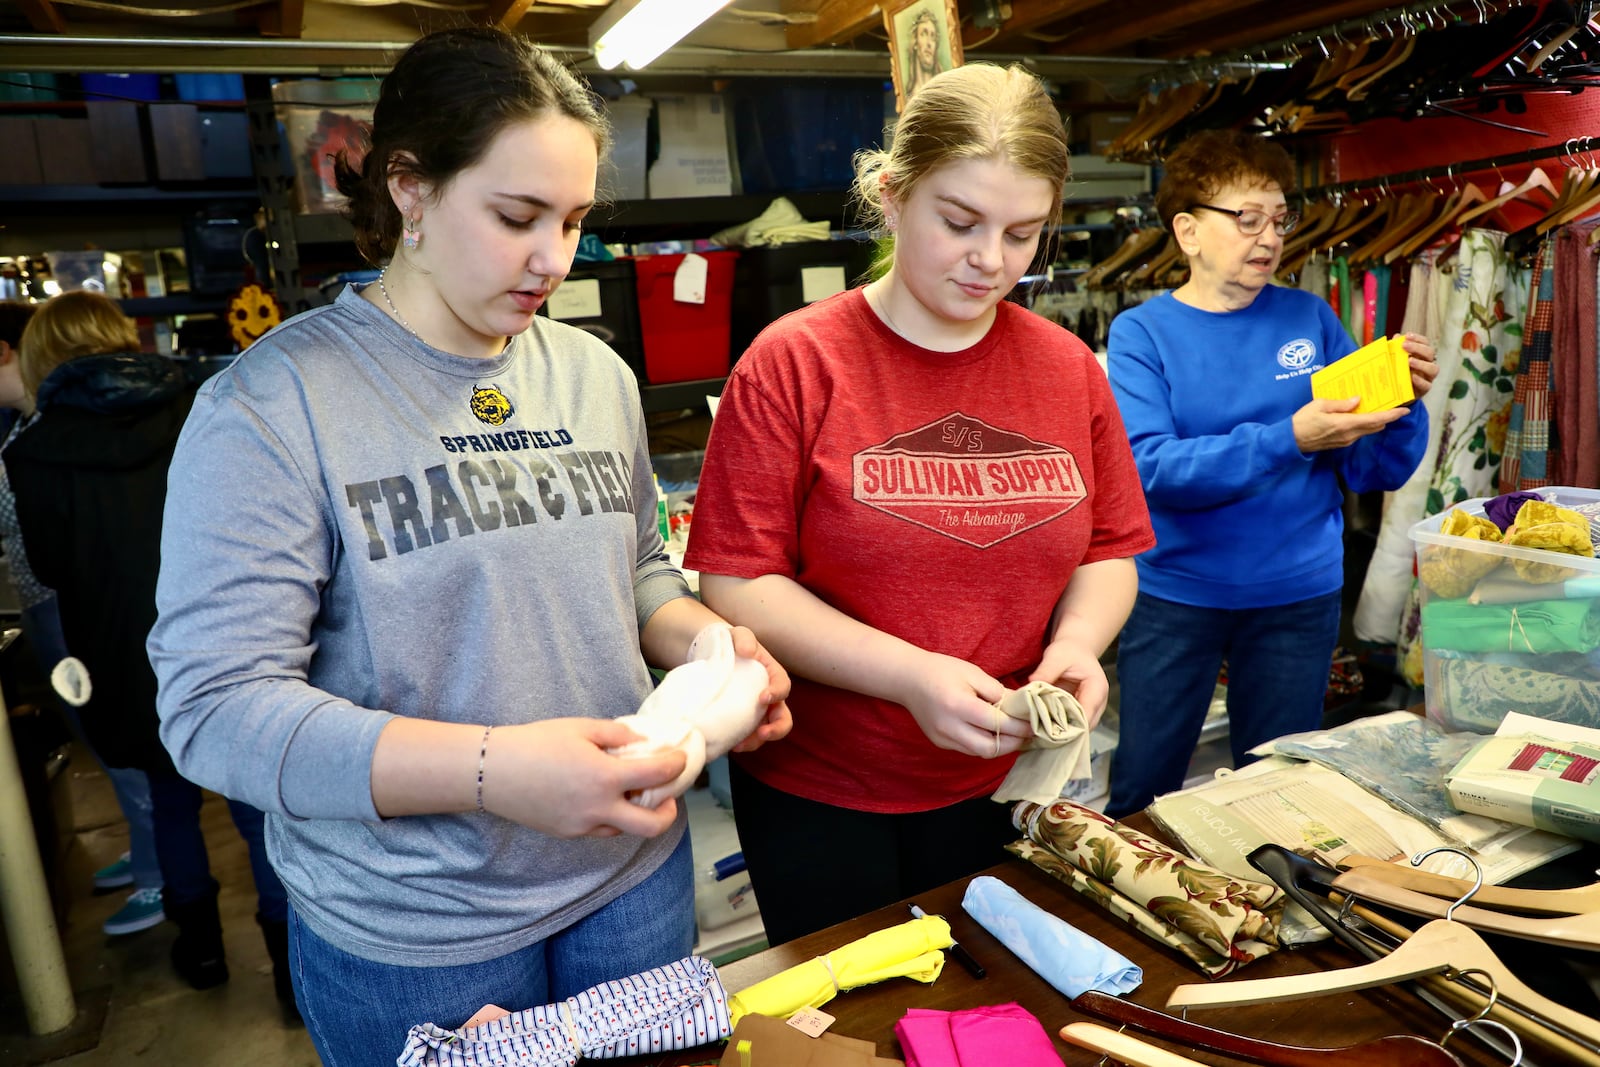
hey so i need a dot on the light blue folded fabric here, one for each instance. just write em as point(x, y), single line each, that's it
point(1058, 952)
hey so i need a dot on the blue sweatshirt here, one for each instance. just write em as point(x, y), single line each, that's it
point(1242, 517)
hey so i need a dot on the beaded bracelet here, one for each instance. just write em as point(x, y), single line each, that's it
point(483, 752)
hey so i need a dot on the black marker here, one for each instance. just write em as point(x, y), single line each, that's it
point(962, 956)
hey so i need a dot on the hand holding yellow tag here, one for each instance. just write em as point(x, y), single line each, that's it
point(1379, 373)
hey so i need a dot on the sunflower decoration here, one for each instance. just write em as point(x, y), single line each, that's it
point(252, 311)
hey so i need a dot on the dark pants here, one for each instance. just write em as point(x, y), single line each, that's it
point(812, 864)
point(1167, 662)
point(181, 847)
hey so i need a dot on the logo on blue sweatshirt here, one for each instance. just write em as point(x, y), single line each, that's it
point(1297, 354)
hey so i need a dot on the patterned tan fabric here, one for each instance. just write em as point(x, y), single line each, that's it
point(1059, 751)
point(1218, 922)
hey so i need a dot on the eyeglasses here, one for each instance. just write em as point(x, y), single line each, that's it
point(1252, 222)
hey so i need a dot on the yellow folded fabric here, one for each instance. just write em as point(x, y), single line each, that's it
point(910, 950)
point(1541, 524)
point(1452, 572)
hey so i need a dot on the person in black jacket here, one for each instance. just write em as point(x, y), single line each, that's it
point(90, 479)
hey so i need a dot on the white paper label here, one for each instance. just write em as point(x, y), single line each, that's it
point(576, 298)
point(810, 1021)
point(816, 283)
point(689, 283)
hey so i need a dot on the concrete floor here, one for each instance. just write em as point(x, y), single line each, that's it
point(132, 1007)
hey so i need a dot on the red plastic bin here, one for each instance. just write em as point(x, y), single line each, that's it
point(684, 342)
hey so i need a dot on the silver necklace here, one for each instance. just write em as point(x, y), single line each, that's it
point(387, 299)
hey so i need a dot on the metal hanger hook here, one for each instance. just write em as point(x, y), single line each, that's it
point(1477, 872)
point(1466, 1024)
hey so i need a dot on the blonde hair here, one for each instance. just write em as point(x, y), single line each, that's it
point(74, 324)
point(977, 111)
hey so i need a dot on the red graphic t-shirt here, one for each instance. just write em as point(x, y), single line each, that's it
point(943, 497)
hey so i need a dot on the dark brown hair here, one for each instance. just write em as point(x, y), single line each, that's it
point(14, 316)
point(447, 98)
point(1211, 160)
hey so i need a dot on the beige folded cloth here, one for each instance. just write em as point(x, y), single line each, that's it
point(781, 223)
point(1059, 752)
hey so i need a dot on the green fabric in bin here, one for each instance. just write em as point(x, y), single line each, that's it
point(1534, 626)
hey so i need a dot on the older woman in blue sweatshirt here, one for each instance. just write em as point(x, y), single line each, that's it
point(1241, 469)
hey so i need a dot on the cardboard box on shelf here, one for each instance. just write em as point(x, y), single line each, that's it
point(694, 158)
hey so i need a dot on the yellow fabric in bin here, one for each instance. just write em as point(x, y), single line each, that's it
point(1541, 524)
point(910, 950)
point(1452, 572)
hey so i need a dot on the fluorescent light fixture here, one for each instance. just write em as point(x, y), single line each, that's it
point(637, 32)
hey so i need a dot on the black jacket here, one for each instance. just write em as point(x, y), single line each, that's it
point(90, 478)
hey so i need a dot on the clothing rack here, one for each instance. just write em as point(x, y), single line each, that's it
point(1570, 148)
point(1412, 19)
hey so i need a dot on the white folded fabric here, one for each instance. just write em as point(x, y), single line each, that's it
point(704, 707)
point(1060, 750)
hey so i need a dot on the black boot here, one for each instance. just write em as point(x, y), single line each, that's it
point(276, 935)
point(197, 953)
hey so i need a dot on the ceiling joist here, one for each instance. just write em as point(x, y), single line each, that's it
point(837, 22)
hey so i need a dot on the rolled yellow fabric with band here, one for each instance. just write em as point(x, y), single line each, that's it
point(910, 950)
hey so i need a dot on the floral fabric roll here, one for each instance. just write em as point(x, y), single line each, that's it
point(1216, 921)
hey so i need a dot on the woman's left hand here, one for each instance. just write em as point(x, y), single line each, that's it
point(777, 721)
point(1076, 669)
point(1424, 367)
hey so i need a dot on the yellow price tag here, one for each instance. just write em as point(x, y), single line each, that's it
point(1379, 373)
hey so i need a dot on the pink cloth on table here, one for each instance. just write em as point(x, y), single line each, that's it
point(1000, 1033)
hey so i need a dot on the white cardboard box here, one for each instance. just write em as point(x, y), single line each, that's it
point(696, 157)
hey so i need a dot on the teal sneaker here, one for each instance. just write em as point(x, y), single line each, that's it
point(142, 911)
point(116, 875)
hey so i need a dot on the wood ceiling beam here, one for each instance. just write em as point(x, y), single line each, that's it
point(1274, 24)
point(43, 16)
point(838, 21)
point(505, 14)
point(1027, 16)
point(287, 19)
point(1114, 31)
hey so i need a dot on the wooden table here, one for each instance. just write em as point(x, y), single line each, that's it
point(870, 1012)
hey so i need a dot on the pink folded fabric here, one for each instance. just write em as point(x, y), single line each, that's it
point(1000, 1033)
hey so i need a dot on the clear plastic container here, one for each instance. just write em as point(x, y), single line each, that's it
point(322, 118)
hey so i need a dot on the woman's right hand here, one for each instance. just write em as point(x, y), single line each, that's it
point(1326, 424)
point(954, 703)
point(555, 776)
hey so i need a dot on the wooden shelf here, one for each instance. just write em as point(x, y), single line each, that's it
point(19, 197)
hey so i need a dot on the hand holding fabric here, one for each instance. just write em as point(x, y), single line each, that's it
point(1059, 751)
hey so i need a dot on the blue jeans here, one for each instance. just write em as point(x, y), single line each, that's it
point(181, 846)
point(1167, 662)
point(358, 1012)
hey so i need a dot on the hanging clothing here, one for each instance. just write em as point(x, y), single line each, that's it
point(1572, 360)
point(1530, 436)
point(1482, 309)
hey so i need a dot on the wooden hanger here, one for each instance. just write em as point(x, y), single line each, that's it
point(1530, 901)
point(1369, 215)
point(1436, 948)
point(1134, 248)
point(1121, 1047)
point(1398, 1051)
point(1454, 208)
point(1581, 931)
point(1536, 179)
point(1414, 211)
point(1398, 53)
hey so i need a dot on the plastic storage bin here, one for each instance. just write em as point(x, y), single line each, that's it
point(684, 342)
point(320, 119)
point(771, 282)
point(1508, 628)
point(610, 308)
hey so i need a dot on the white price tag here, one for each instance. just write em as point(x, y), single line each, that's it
point(689, 283)
point(576, 298)
point(817, 283)
point(811, 1021)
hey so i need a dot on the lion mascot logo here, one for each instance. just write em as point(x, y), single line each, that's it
point(491, 405)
